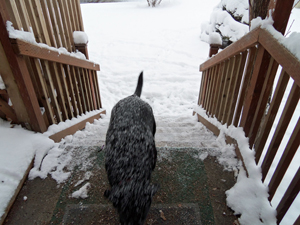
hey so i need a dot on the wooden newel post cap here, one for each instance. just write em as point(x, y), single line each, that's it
point(83, 49)
point(214, 48)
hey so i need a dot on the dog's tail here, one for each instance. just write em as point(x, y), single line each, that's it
point(139, 86)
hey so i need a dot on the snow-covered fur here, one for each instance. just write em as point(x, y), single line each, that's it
point(130, 157)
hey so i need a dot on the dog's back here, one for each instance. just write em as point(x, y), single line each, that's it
point(132, 110)
point(131, 156)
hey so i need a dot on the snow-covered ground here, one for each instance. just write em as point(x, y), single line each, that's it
point(126, 38)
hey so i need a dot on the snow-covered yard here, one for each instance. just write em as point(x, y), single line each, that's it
point(126, 38)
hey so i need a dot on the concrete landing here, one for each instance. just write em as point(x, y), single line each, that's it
point(168, 214)
point(191, 192)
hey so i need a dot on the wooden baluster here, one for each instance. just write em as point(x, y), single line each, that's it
point(87, 89)
point(61, 26)
point(263, 100)
point(254, 89)
point(286, 158)
point(231, 83)
point(213, 89)
point(288, 197)
point(269, 120)
point(208, 83)
point(64, 11)
point(47, 24)
point(210, 90)
point(283, 123)
point(226, 88)
point(217, 88)
point(97, 91)
point(221, 88)
point(76, 87)
point(236, 89)
point(53, 24)
point(249, 65)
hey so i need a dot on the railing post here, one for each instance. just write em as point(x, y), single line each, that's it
point(281, 13)
point(205, 75)
point(92, 89)
point(83, 49)
point(19, 85)
point(214, 48)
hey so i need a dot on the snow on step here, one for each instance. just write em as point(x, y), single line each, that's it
point(182, 132)
point(170, 131)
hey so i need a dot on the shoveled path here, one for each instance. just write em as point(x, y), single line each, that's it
point(191, 191)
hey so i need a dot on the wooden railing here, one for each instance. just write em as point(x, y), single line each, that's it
point(38, 77)
point(236, 87)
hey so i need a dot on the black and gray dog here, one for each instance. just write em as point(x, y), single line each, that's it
point(130, 157)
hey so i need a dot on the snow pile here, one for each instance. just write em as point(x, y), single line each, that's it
point(87, 176)
point(82, 192)
point(55, 128)
point(291, 42)
point(227, 25)
point(239, 9)
point(52, 163)
point(80, 37)
point(215, 38)
point(18, 34)
point(258, 22)
point(60, 160)
point(249, 196)
point(224, 153)
point(18, 147)
point(229, 19)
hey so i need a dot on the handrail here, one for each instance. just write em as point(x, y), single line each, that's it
point(235, 88)
point(245, 42)
point(263, 37)
point(28, 49)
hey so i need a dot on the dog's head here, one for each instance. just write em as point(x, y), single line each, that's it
point(132, 201)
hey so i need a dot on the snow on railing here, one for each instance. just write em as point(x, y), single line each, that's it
point(291, 42)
